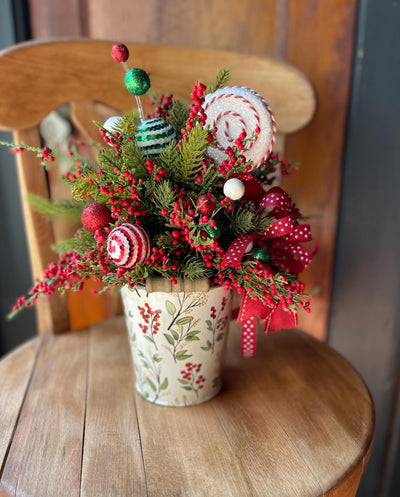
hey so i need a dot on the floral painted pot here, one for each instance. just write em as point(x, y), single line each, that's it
point(177, 342)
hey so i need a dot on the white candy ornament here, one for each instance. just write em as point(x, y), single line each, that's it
point(234, 110)
point(128, 245)
point(234, 189)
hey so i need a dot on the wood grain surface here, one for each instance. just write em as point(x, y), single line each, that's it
point(296, 420)
point(84, 70)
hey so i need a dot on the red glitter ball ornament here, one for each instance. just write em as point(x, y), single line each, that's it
point(206, 204)
point(120, 52)
point(95, 217)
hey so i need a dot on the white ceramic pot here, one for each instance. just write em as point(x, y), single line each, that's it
point(178, 342)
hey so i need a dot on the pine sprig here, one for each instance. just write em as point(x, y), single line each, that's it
point(191, 156)
point(241, 221)
point(82, 242)
point(63, 208)
point(193, 268)
point(168, 157)
point(179, 115)
point(164, 196)
point(221, 80)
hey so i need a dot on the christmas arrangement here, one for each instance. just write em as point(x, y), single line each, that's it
point(186, 194)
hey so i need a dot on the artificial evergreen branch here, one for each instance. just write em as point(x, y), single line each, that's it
point(221, 80)
point(63, 208)
point(179, 116)
point(190, 159)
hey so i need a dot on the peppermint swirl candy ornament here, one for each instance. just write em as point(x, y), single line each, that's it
point(234, 110)
point(153, 135)
point(128, 245)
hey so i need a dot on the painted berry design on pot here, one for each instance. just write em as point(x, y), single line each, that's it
point(151, 323)
point(191, 378)
point(216, 325)
point(179, 372)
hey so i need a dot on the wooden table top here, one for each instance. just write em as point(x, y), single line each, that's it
point(296, 421)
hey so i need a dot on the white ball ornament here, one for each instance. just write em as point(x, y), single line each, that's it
point(234, 189)
point(111, 124)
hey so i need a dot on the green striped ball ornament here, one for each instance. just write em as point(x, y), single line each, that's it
point(154, 135)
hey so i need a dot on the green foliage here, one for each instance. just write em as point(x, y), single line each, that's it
point(221, 80)
point(81, 242)
point(189, 161)
point(179, 116)
point(63, 208)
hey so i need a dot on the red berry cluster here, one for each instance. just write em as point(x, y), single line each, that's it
point(197, 114)
point(151, 318)
point(66, 273)
point(162, 106)
point(190, 374)
point(47, 155)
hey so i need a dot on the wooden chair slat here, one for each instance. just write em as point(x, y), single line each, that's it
point(83, 70)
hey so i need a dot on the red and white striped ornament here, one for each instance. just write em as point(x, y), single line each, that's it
point(234, 110)
point(128, 245)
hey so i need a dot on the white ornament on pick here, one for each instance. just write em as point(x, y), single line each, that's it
point(111, 124)
point(234, 189)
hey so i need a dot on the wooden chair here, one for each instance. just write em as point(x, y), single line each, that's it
point(42, 76)
point(296, 420)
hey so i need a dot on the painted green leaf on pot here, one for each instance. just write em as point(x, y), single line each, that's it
point(188, 388)
point(175, 334)
point(209, 345)
point(185, 320)
point(185, 382)
point(153, 387)
point(157, 358)
point(130, 313)
point(191, 336)
point(164, 384)
point(182, 355)
point(169, 338)
point(170, 307)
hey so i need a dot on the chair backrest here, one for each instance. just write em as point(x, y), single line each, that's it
point(38, 77)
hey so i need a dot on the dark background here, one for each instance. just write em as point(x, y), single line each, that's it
point(364, 317)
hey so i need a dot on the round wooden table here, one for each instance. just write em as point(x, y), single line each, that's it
point(295, 421)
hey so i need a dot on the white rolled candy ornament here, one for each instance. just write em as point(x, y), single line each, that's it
point(154, 135)
point(128, 245)
point(235, 110)
point(234, 188)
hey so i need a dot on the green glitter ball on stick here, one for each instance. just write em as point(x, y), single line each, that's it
point(261, 254)
point(137, 81)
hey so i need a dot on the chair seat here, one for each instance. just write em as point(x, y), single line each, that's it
point(296, 420)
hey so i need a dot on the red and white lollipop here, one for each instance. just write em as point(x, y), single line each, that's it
point(234, 110)
point(128, 245)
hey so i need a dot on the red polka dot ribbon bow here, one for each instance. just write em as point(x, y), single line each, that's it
point(285, 248)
